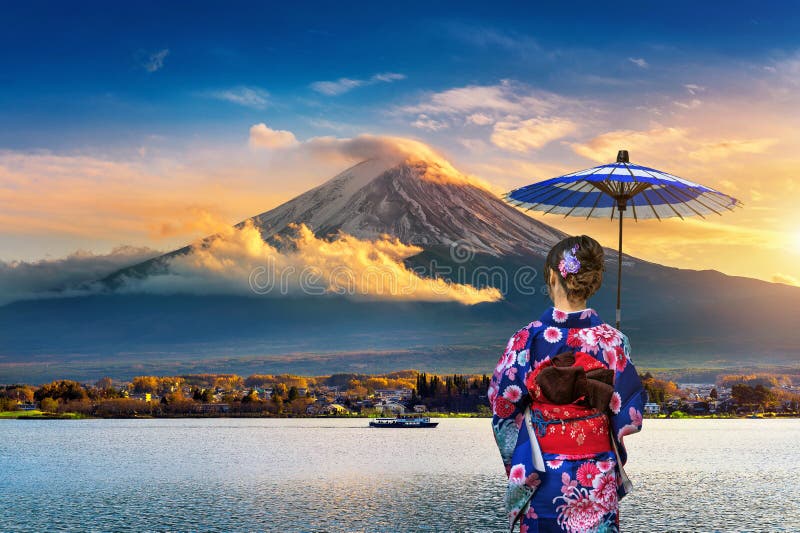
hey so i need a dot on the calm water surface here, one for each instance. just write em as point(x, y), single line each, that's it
point(340, 475)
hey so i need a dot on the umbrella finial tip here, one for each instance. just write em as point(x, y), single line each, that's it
point(622, 157)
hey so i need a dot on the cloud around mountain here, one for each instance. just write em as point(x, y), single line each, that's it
point(67, 276)
point(239, 261)
point(391, 149)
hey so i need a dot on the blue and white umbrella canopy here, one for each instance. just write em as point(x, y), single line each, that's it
point(595, 192)
point(613, 188)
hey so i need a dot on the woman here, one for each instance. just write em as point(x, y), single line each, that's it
point(563, 394)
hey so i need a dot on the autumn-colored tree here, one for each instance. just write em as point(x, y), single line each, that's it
point(18, 393)
point(746, 395)
point(104, 383)
point(753, 380)
point(377, 383)
point(298, 406)
point(63, 389)
point(144, 384)
point(658, 390)
point(202, 395)
point(8, 404)
point(276, 404)
point(229, 382)
point(251, 397)
point(260, 380)
point(48, 405)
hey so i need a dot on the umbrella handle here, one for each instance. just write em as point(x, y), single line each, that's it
point(620, 210)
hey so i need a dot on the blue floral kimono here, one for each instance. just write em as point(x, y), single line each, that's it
point(557, 491)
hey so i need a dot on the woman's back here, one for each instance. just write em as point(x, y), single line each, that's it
point(563, 395)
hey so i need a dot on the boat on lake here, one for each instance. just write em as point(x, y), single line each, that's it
point(401, 421)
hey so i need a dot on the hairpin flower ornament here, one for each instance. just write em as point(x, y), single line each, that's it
point(570, 263)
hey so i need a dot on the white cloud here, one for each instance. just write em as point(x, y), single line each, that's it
point(639, 62)
point(244, 96)
point(388, 77)
point(693, 88)
point(155, 61)
point(690, 104)
point(480, 119)
point(664, 145)
point(333, 88)
point(343, 85)
point(239, 261)
point(524, 118)
point(530, 134)
point(505, 98)
point(424, 122)
point(74, 274)
point(262, 136)
point(389, 149)
point(724, 148)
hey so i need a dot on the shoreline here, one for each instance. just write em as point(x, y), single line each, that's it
point(39, 415)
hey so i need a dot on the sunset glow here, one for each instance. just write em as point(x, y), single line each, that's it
point(138, 145)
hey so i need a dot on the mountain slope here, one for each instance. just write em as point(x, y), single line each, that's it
point(421, 202)
point(417, 202)
point(674, 317)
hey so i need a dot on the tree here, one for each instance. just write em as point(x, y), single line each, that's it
point(64, 389)
point(743, 394)
point(713, 394)
point(202, 395)
point(229, 382)
point(143, 384)
point(49, 405)
point(280, 389)
point(277, 401)
point(252, 397)
point(19, 393)
point(104, 383)
point(292, 395)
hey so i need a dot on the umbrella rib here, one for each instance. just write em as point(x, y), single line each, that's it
point(699, 202)
point(550, 196)
point(633, 205)
point(684, 202)
point(667, 202)
point(720, 204)
point(717, 202)
point(594, 205)
point(534, 187)
point(566, 197)
point(581, 200)
point(651, 206)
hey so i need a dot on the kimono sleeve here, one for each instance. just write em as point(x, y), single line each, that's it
point(627, 402)
point(508, 395)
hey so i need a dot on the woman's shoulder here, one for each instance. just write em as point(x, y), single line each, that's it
point(523, 337)
point(530, 329)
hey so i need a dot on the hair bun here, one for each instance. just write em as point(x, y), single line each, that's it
point(588, 279)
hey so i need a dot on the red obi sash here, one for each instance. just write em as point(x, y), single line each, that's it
point(568, 429)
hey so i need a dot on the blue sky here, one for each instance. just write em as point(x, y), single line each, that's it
point(122, 120)
point(79, 75)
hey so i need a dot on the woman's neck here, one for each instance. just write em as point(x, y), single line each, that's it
point(565, 305)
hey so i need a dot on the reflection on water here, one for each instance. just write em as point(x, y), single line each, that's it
point(340, 475)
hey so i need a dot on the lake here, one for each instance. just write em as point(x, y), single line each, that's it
point(340, 475)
